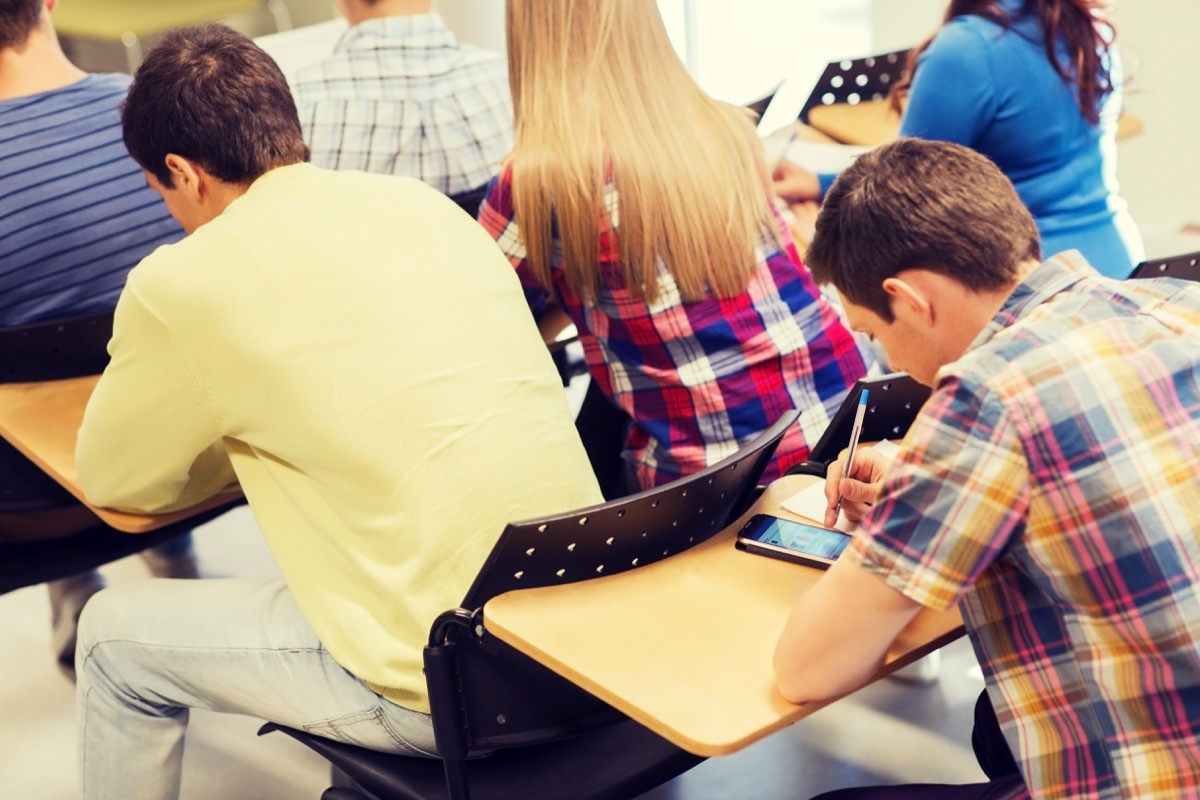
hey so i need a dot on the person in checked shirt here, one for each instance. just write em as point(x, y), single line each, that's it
point(640, 207)
point(399, 96)
point(1050, 486)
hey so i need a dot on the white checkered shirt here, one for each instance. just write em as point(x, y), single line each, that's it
point(400, 96)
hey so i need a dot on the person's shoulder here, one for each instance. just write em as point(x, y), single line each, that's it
point(964, 35)
point(305, 79)
point(109, 81)
point(98, 86)
point(356, 189)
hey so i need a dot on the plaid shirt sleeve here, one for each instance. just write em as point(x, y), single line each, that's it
point(498, 218)
point(957, 492)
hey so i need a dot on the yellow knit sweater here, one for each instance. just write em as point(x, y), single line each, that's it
point(358, 354)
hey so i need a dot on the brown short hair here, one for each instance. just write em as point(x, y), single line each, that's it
point(914, 203)
point(18, 18)
point(211, 95)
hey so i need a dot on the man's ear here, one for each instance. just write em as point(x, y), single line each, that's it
point(909, 301)
point(185, 175)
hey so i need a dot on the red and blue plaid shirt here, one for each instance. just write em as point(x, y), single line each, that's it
point(701, 378)
point(1051, 488)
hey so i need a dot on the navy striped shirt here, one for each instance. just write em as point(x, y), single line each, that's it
point(75, 213)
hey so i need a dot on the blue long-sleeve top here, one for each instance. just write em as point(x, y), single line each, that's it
point(993, 89)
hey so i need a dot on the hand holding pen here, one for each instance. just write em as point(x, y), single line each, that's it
point(855, 433)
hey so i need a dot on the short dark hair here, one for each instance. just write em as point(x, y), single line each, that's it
point(914, 203)
point(211, 95)
point(18, 18)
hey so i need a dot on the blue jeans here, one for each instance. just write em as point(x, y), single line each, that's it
point(150, 650)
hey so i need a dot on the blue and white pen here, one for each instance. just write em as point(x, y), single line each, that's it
point(855, 432)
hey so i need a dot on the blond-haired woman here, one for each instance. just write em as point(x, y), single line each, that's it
point(640, 207)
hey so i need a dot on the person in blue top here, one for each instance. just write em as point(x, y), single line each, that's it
point(1034, 85)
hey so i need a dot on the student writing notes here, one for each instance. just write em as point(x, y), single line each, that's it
point(1049, 487)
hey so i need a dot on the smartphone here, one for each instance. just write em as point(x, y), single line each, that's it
point(806, 544)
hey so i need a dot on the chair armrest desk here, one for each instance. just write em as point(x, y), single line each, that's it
point(875, 122)
point(42, 421)
point(684, 645)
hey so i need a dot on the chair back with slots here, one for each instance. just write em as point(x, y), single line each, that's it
point(856, 80)
point(485, 696)
point(49, 351)
point(892, 406)
point(1184, 267)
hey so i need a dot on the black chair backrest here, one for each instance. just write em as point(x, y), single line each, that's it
point(759, 106)
point(49, 351)
point(45, 351)
point(629, 532)
point(892, 405)
point(1184, 267)
point(470, 200)
point(855, 80)
point(501, 698)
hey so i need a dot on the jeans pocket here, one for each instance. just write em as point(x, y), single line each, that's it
point(370, 729)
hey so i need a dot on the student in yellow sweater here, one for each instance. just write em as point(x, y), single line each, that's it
point(357, 354)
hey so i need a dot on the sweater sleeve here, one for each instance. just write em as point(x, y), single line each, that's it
point(953, 96)
point(148, 442)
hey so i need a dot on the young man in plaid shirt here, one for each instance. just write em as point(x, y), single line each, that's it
point(1050, 486)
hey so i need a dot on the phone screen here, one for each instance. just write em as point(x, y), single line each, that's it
point(808, 543)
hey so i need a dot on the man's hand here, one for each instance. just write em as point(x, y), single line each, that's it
point(794, 183)
point(858, 490)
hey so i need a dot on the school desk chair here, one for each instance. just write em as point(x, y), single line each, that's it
point(1185, 267)
point(855, 80)
point(892, 405)
point(52, 351)
point(131, 23)
point(551, 740)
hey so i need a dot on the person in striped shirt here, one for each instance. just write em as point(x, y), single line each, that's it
point(1050, 487)
point(75, 217)
point(640, 207)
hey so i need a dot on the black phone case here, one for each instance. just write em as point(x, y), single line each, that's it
point(782, 554)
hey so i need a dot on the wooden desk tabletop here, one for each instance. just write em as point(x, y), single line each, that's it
point(42, 421)
point(684, 645)
point(874, 122)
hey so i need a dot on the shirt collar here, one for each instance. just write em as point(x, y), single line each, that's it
point(429, 29)
point(1050, 278)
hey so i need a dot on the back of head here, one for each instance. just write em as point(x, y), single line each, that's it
point(18, 18)
point(925, 205)
point(211, 95)
point(596, 84)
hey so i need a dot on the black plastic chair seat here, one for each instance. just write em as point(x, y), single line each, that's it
point(611, 763)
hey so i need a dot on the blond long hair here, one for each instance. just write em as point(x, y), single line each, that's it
point(596, 85)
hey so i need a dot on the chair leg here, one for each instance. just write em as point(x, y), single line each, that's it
point(343, 787)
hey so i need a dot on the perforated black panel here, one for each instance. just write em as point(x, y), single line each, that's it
point(627, 533)
point(892, 405)
point(1184, 267)
point(856, 80)
point(48, 351)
